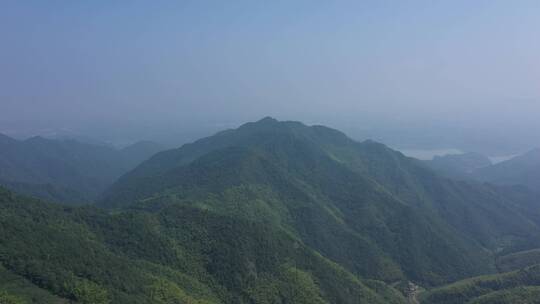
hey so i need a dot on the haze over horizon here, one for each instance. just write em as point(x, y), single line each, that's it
point(459, 74)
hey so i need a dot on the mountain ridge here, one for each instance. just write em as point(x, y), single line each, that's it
point(336, 180)
point(270, 212)
point(523, 169)
point(77, 171)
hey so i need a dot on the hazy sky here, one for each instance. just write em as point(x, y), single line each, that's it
point(363, 65)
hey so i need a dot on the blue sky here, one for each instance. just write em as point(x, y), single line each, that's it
point(378, 63)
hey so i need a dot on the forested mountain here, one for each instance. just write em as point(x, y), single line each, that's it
point(519, 286)
point(520, 170)
point(363, 205)
point(459, 166)
point(271, 212)
point(178, 254)
point(65, 170)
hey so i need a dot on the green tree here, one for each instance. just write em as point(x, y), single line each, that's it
point(6, 298)
point(87, 292)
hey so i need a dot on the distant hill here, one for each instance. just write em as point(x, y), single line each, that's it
point(65, 170)
point(459, 166)
point(520, 170)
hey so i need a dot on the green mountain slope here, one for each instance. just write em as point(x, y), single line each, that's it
point(520, 170)
point(368, 208)
point(459, 166)
point(175, 255)
point(65, 170)
point(520, 286)
point(21, 290)
point(518, 260)
point(274, 212)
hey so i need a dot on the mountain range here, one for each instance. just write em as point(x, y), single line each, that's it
point(521, 170)
point(67, 171)
point(275, 212)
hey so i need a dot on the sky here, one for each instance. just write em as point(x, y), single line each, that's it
point(450, 74)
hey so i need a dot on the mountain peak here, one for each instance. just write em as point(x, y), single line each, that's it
point(270, 124)
point(264, 122)
point(267, 119)
point(314, 179)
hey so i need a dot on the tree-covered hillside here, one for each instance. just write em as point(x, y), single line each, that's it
point(175, 255)
point(520, 286)
point(272, 212)
point(369, 208)
point(459, 166)
point(66, 171)
point(520, 170)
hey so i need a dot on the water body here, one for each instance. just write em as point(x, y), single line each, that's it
point(428, 154)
